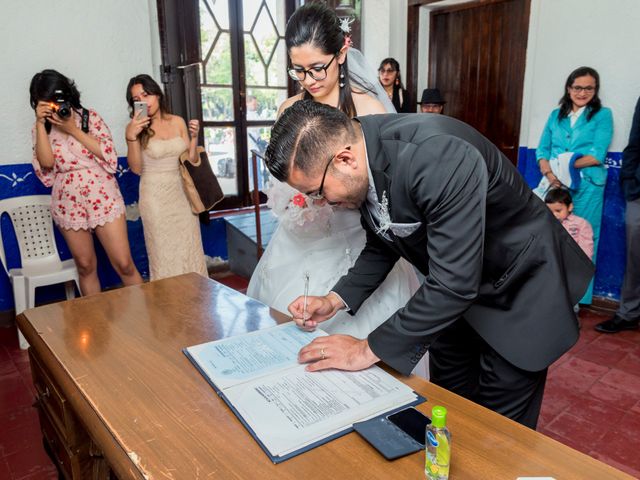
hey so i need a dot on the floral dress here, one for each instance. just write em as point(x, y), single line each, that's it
point(85, 193)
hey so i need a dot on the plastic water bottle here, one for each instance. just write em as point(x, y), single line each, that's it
point(438, 446)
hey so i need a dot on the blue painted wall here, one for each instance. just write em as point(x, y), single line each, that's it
point(19, 180)
point(611, 250)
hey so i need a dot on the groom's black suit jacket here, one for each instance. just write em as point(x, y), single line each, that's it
point(491, 251)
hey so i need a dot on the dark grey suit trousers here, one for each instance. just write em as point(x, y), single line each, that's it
point(463, 363)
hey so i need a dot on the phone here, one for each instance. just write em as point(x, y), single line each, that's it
point(140, 107)
point(411, 422)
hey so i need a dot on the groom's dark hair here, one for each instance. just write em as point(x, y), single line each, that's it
point(304, 136)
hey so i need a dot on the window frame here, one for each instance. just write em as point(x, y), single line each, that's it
point(179, 27)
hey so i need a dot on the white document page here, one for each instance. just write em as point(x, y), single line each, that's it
point(293, 409)
point(233, 360)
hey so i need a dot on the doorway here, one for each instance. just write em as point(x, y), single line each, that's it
point(477, 56)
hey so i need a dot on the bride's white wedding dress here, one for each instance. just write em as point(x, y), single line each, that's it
point(323, 242)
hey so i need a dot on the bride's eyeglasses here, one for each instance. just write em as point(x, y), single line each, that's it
point(317, 73)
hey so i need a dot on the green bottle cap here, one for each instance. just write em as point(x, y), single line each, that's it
point(438, 416)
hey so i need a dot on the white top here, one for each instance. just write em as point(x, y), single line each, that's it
point(574, 116)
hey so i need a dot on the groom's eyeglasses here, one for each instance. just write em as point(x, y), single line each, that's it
point(318, 195)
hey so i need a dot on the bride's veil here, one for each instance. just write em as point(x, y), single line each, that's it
point(363, 76)
point(314, 220)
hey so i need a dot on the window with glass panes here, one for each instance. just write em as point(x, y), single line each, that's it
point(243, 81)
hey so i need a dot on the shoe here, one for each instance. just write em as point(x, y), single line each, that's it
point(617, 324)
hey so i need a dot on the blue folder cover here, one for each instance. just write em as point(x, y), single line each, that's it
point(282, 458)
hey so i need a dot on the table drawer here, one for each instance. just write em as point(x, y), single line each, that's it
point(74, 463)
point(56, 406)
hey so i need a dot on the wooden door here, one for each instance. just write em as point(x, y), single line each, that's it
point(180, 52)
point(477, 59)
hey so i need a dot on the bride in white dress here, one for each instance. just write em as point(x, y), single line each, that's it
point(323, 243)
point(312, 238)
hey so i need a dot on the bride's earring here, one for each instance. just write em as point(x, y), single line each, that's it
point(341, 77)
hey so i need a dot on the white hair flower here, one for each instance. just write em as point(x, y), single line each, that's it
point(345, 24)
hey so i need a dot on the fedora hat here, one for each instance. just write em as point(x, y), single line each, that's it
point(432, 95)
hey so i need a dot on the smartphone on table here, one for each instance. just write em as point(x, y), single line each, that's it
point(397, 434)
point(412, 422)
point(142, 107)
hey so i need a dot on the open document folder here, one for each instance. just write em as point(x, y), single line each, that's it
point(286, 409)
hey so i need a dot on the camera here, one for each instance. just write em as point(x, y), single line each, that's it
point(61, 105)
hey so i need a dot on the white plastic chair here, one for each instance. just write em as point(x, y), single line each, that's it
point(41, 264)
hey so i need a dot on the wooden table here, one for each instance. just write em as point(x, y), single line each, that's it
point(116, 359)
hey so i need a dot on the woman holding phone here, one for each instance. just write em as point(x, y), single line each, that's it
point(155, 141)
point(77, 159)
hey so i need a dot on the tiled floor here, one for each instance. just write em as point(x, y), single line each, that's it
point(592, 401)
point(21, 453)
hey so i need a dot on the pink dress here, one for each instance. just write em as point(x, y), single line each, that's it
point(581, 231)
point(85, 193)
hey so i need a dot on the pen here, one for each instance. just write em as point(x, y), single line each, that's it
point(306, 294)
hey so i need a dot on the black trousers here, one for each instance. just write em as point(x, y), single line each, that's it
point(463, 363)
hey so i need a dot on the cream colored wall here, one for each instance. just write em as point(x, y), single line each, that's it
point(567, 34)
point(102, 46)
point(98, 44)
point(384, 31)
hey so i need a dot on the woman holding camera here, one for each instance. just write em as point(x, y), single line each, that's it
point(155, 141)
point(73, 153)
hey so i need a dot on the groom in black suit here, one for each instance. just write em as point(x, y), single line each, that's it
point(501, 273)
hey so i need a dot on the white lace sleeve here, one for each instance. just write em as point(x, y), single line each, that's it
point(298, 213)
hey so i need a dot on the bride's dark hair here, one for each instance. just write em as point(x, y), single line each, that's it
point(319, 26)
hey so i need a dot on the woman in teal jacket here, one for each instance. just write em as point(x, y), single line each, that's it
point(580, 125)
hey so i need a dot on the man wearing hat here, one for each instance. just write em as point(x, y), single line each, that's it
point(432, 101)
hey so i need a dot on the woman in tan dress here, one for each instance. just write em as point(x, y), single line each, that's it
point(155, 142)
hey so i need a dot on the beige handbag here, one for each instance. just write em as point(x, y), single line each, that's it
point(200, 184)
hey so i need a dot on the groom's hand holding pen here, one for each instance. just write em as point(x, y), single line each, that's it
point(308, 311)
